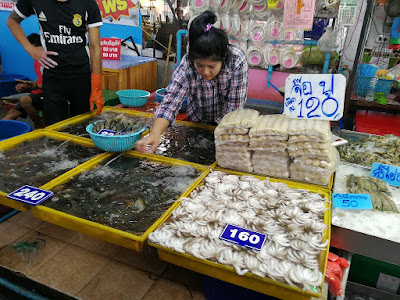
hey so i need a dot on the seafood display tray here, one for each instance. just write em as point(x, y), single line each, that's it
point(103, 232)
point(251, 281)
point(34, 135)
point(307, 184)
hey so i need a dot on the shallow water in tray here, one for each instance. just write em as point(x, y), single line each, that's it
point(128, 194)
point(36, 162)
point(191, 144)
point(80, 128)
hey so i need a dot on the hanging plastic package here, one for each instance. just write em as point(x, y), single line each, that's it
point(394, 42)
point(288, 57)
point(271, 55)
point(245, 8)
point(255, 56)
point(200, 5)
point(273, 28)
point(258, 32)
point(327, 42)
point(235, 24)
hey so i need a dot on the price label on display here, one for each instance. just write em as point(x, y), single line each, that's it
point(315, 96)
point(110, 48)
point(107, 132)
point(352, 201)
point(30, 195)
point(387, 173)
point(243, 237)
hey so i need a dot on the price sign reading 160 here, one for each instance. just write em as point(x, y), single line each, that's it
point(243, 237)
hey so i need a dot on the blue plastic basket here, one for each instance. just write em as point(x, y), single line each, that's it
point(160, 96)
point(116, 143)
point(11, 128)
point(133, 98)
point(362, 85)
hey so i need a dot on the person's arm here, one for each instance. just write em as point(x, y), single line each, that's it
point(37, 53)
point(149, 143)
point(96, 77)
point(237, 95)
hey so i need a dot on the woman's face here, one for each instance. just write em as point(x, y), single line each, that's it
point(207, 68)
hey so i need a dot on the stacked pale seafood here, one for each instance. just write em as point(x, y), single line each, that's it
point(278, 146)
point(122, 124)
point(268, 141)
point(232, 139)
point(314, 159)
point(292, 219)
point(376, 188)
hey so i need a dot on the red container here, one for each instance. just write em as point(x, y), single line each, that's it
point(377, 122)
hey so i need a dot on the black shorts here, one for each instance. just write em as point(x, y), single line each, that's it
point(59, 92)
point(37, 102)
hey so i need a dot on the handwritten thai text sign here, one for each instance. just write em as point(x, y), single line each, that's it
point(110, 48)
point(243, 237)
point(30, 195)
point(352, 201)
point(315, 96)
point(387, 173)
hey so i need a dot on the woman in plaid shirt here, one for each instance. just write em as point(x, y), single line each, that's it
point(213, 76)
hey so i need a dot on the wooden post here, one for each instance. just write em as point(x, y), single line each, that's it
point(167, 61)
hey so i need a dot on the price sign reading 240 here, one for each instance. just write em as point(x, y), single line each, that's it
point(243, 237)
point(30, 195)
point(315, 96)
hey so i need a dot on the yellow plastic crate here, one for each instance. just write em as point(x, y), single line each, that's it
point(251, 281)
point(15, 141)
point(100, 231)
point(91, 114)
point(324, 187)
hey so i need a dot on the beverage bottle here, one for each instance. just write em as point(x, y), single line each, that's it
point(371, 90)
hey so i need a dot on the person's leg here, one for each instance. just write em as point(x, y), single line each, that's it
point(12, 114)
point(29, 104)
point(55, 105)
point(16, 112)
point(79, 93)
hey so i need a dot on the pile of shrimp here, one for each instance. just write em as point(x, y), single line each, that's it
point(292, 219)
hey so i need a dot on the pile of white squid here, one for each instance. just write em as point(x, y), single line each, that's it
point(292, 219)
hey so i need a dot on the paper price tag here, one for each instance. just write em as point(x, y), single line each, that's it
point(315, 96)
point(30, 195)
point(107, 132)
point(387, 173)
point(243, 237)
point(110, 48)
point(352, 201)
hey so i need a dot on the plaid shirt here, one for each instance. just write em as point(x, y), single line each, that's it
point(208, 100)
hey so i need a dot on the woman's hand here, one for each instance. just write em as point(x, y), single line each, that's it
point(148, 144)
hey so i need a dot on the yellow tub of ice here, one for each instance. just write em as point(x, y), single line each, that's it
point(104, 232)
point(250, 281)
point(32, 136)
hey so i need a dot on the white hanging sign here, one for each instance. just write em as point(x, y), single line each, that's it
point(315, 96)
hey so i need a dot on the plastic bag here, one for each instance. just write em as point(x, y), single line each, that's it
point(327, 42)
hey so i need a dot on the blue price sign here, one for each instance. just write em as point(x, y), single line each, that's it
point(352, 201)
point(315, 96)
point(243, 237)
point(389, 174)
point(107, 132)
point(30, 195)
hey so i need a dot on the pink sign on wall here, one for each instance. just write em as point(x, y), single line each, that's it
point(110, 48)
point(298, 14)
